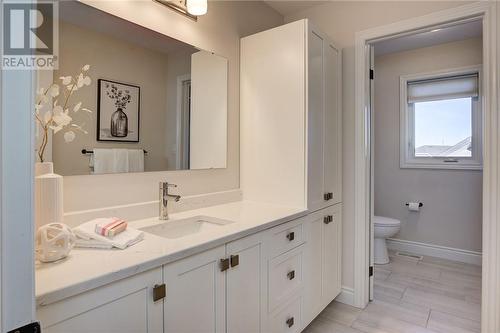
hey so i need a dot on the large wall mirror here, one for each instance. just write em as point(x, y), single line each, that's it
point(157, 103)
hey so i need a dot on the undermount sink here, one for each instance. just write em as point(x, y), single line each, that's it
point(185, 227)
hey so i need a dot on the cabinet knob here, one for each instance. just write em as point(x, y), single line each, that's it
point(289, 322)
point(224, 264)
point(291, 275)
point(328, 196)
point(159, 292)
point(234, 260)
point(290, 236)
point(327, 219)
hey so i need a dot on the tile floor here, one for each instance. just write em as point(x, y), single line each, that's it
point(431, 295)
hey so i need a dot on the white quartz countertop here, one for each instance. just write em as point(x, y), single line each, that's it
point(86, 269)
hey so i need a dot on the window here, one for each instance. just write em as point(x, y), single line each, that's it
point(441, 120)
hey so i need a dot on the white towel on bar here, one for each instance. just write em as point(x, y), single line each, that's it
point(103, 160)
point(87, 237)
point(121, 160)
point(135, 160)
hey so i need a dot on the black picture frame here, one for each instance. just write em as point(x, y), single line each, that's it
point(104, 111)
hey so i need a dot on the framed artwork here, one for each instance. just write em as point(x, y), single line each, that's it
point(118, 108)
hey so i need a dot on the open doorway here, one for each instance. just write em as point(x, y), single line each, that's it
point(425, 175)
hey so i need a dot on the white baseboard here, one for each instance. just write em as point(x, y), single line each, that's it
point(465, 256)
point(346, 296)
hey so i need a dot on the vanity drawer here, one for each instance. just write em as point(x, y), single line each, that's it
point(288, 320)
point(285, 237)
point(285, 277)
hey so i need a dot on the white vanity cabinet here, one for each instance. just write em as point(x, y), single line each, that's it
point(323, 259)
point(219, 290)
point(290, 113)
point(123, 306)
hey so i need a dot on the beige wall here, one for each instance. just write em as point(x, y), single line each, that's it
point(341, 20)
point(114, 59)
point(219, 31)
point(452, 210)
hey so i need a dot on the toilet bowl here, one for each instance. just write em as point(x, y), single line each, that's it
point(384, 227)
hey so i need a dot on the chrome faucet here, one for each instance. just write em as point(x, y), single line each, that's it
point(165, 197)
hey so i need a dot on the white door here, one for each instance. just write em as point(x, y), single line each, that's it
point(125, 306)
point(244, 289)
point(195, 300)
point(332, 253)
point(371, 103)
point(313, 265)
point(333, 124)
point(316, 121)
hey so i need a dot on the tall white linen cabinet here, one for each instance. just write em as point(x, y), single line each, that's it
point(291, 149)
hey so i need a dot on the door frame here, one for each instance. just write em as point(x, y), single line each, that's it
point(487, 11)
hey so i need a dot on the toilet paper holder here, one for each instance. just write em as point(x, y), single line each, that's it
point(420, 205)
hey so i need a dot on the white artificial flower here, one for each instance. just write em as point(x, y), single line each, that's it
point(61, 118)
point(46, 117)
point(86, 68)
point(69, 136)
point(87, 81)
point(77, 107)
point(54, 90)
point(56, 128)
point(72, 87)
point(79, 81)
point(66, 80)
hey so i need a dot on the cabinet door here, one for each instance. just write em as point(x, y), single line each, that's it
point(323, 260)
point(244, 292)
point(125, 306)
point(195, 300)
point(332, 252)
point(333, 123)
point(316, 122)
point(313, 286)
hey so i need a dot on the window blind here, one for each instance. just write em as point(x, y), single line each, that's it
point(444, 88)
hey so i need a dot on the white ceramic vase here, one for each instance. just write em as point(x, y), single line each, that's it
point(48, 195)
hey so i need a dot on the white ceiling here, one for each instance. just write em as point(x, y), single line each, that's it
point(286, 8)
point(90, 18)
point(430, 38)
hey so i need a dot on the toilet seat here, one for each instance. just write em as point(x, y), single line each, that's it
point(382, 221)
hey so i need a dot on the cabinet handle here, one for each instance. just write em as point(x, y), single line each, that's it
point(290, 322)
point(327, 219)
point(291, 275)
point(159, 292)
point(235, 260)
point(290, 236)
point(328, 196)
point(224, 264)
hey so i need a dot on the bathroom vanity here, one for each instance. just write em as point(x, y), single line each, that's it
point(270, 268)
point(267, 262)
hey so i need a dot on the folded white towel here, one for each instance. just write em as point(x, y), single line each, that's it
point(89, 238)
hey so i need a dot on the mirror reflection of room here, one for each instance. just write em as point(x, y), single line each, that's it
point(153, 103)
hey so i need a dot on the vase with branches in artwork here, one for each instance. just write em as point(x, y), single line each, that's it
point(119, 119)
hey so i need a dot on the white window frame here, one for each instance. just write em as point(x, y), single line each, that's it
point(407, 128)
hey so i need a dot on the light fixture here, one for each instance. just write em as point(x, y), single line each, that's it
point(179, 6)
point(197, 7)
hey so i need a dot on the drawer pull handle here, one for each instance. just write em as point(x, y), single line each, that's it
point(224, 264)
point(291, 275)
point(290, 322)
point(159, 292)
point(290, 236)
point(327, 219)
point(235, 260)
point(328, 196)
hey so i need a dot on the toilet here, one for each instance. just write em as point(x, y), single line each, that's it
point(384, 227)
